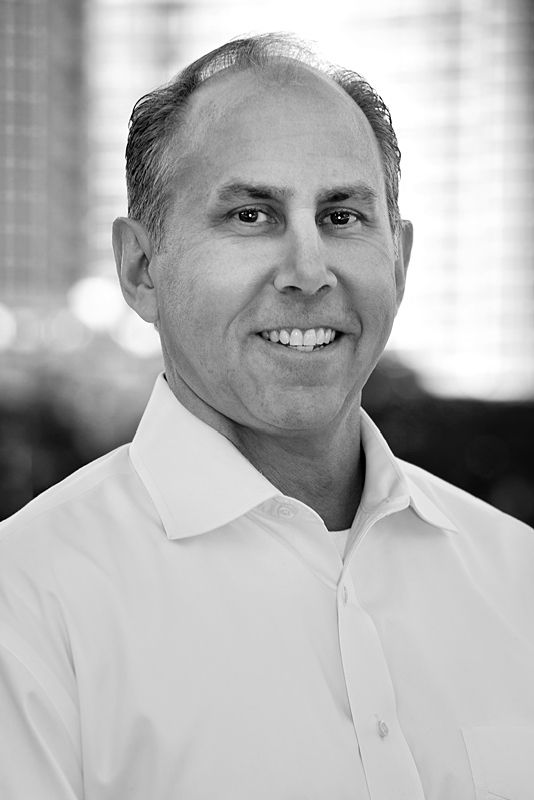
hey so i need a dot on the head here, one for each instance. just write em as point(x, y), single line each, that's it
point(263, 207)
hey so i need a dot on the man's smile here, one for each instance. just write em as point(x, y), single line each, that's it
point(304, 341)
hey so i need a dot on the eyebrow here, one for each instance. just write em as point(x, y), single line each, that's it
point(336, 194)
point(357, 191)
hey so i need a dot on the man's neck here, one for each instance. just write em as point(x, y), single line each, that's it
point(326, 471)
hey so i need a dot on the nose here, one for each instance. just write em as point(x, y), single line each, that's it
point(303, 266)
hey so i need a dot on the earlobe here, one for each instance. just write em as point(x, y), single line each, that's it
point(133, 254)
point(403, 257)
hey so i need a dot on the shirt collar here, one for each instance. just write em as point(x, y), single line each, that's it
point(198, 480)
point(389, 479)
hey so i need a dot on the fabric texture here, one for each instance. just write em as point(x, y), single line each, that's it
point(172, 626)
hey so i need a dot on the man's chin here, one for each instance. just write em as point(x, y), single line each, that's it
point(299, 414)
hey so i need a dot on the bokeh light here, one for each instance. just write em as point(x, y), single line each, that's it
point(8, 327)
point(97, 302)
point(136, 336)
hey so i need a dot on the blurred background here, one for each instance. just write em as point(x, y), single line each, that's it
point(455, 389)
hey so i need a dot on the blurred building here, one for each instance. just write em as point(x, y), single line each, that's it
point(133, 46)
point(42, 151)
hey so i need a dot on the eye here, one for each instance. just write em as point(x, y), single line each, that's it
point(252, 215)
point(340, 217)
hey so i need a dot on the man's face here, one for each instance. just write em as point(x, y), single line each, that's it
point(279, 228)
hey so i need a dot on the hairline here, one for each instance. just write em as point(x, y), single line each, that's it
point(269, 66)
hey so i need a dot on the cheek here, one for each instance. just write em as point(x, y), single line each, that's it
point(210, 275)
point(373, 293)
point(195, 313)
point(178, 318)
point(383, 301)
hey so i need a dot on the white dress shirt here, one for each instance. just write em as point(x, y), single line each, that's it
point(174, 628)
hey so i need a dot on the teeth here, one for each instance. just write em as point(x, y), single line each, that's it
point(310, 337)
point(305, 341)
point(296, 339)
point(284, 336)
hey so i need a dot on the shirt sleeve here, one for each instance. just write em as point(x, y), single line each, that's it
point(40, 751)
point(38, 758)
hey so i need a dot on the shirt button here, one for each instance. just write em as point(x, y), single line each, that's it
point(285, 511)
point(345, 595)
point(382, 728)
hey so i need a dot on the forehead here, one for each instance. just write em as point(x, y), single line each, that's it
point(292, 120)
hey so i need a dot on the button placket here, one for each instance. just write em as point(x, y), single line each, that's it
point(387, 760)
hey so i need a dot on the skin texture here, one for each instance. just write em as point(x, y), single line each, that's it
point(235, 263)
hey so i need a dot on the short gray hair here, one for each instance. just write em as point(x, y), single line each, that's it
point(157, 115)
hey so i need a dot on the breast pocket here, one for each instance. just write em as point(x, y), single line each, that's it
point(502, 761)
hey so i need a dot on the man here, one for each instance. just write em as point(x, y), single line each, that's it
point(255, 599)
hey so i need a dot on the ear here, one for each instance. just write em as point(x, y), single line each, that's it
point(403, 257)
point(133, 253)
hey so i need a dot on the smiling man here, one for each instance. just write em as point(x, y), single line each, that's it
point(276, 282)
point(255, 599)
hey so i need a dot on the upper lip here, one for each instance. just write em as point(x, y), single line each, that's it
point(306, 327)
